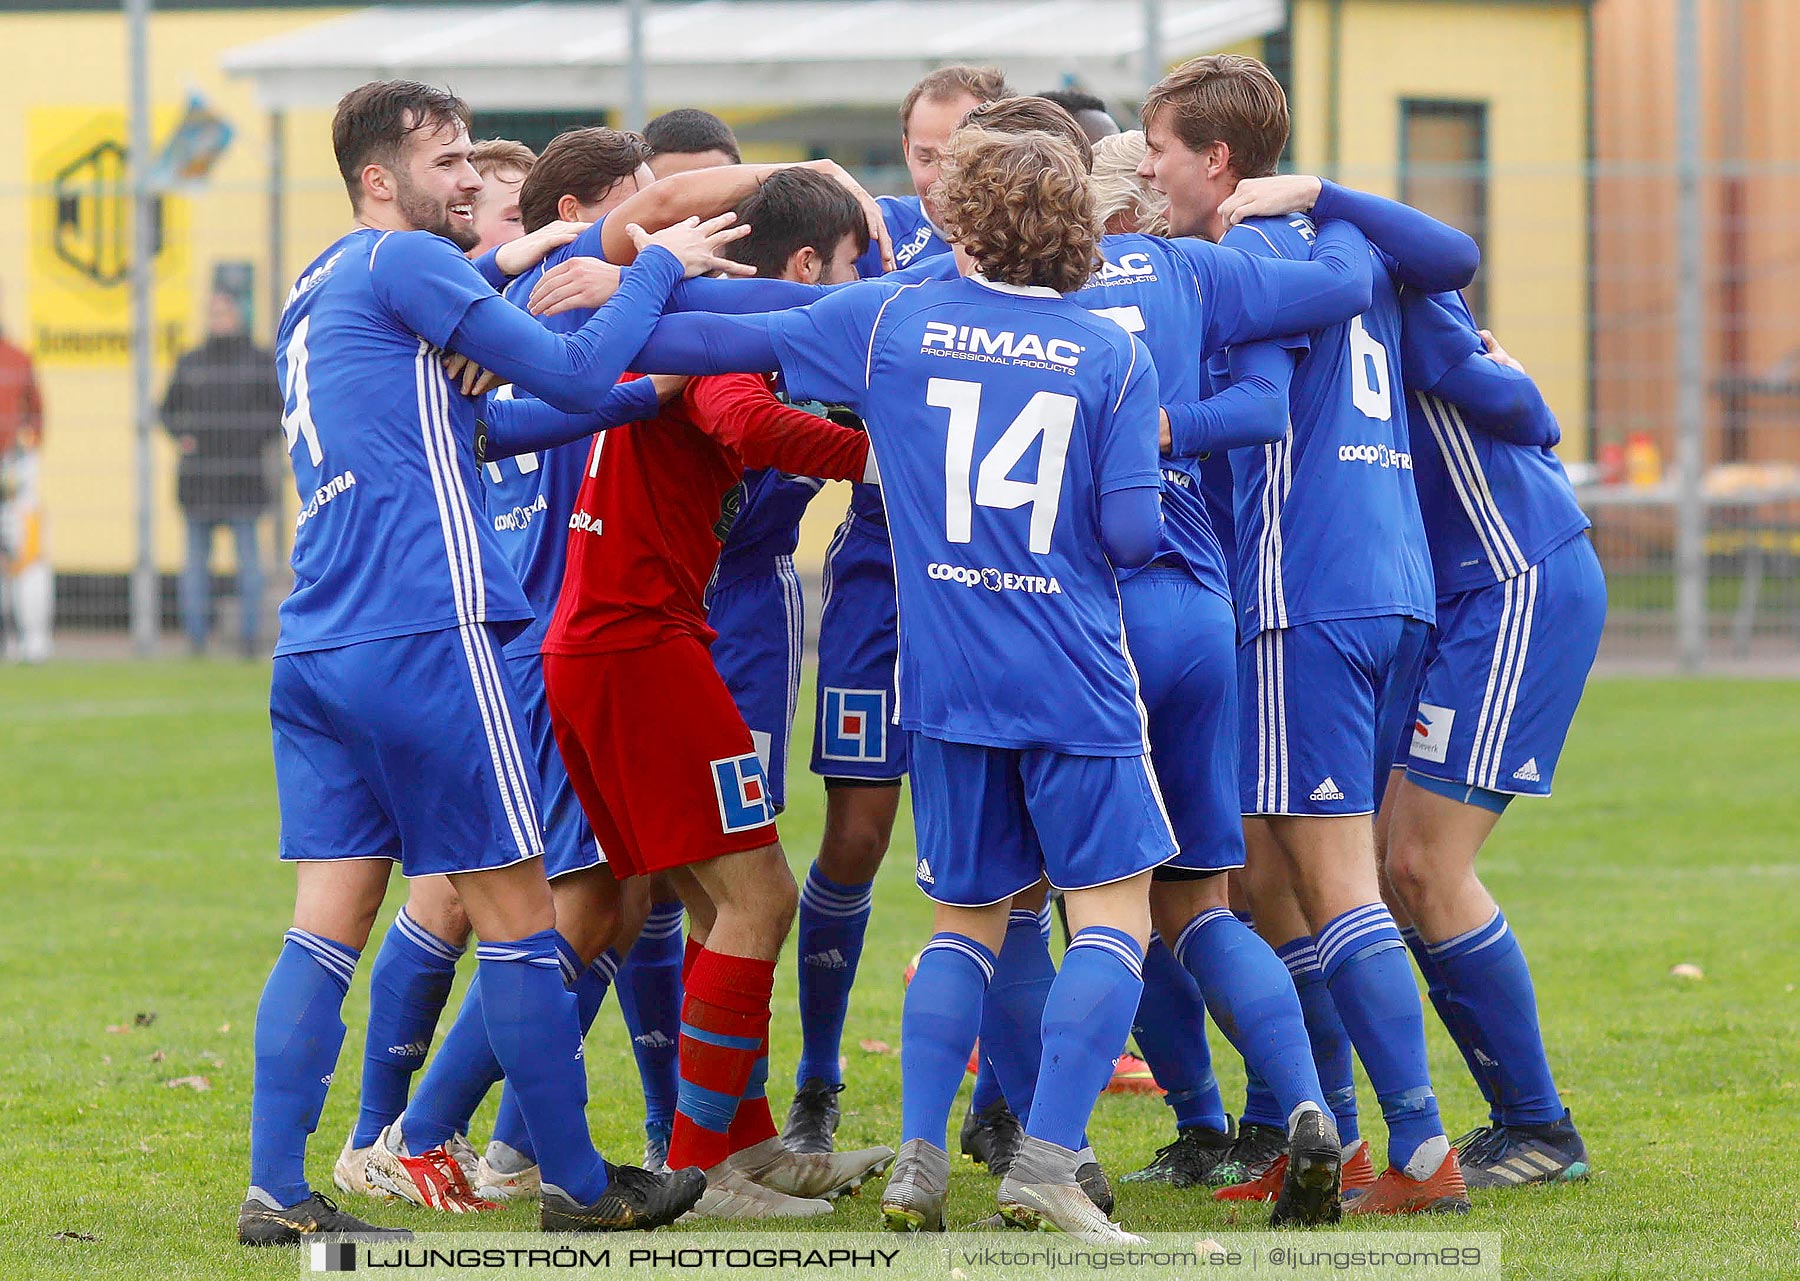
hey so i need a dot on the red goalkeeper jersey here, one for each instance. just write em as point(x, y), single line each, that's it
point(653, 510)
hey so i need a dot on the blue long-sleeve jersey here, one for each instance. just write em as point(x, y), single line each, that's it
point(1493, 494)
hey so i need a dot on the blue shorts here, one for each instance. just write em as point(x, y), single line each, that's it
point(1183, 641)
point(409, 748)
point(1322, 709)
point(991, 820)
point(761, 622)
point(1504, 675)
point(569, 844)
point(855, 733)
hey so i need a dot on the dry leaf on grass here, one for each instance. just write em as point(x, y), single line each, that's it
point(876, 1047)
point(199, 1084)
point(73, 1236)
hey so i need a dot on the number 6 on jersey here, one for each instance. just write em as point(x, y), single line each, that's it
point(1048, 416)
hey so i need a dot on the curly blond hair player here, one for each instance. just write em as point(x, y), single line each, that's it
point(1018, 205)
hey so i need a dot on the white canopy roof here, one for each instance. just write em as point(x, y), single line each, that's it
point(552, 55)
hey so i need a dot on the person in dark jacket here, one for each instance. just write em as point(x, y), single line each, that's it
point(223, 410)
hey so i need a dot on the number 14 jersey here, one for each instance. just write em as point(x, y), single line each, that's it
point(999, 416)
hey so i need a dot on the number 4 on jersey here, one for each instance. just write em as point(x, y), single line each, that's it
point(1048, 416)
point(296, 417)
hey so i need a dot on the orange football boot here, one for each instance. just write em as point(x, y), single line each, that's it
point(1444, 1192)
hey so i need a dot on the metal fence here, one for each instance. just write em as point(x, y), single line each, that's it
point(1622, 349)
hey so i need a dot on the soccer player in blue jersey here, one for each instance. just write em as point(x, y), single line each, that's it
point(416, 964)
point(1190, 299)
point(1027, 738)
point(856, 748)
point(1325, 626)
point(395, 572)
point(1521, 604)
point(585, 173)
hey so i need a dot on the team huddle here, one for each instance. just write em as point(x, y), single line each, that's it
point(1206, 568)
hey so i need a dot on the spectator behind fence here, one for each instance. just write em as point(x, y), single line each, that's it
point(27, 585)
point(223, 410)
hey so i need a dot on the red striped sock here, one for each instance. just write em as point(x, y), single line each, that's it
point(724, 1030)
point(754, 1122)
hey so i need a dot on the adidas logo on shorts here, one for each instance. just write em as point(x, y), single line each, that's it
point(923, 872)
point(1528, 772)
point(1327, 791)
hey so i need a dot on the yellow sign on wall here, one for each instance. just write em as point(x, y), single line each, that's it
point(82, 242)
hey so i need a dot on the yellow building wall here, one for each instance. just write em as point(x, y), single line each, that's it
point(1529, 63)
point(66, 81)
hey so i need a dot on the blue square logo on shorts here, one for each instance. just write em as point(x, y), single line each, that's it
point(853, 725)
point(743, 792)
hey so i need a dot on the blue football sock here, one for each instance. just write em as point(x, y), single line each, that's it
point(1086, 1020)
point(1325, 1031)
point(298, 1036)
point(938, 1026)
point(649, 987)
point(590, 992)
point(535, 1033)
point(1170, 1031)
point(1260, 1107)
point(1455, 1019)
point(458, 1077)
point(1012, 1017)
point(1371, 983)
point(833, 920)
point(987, 1091)
point(466, 1067)
point(1490, 987)
point(1254, 1002)
point(407, 990)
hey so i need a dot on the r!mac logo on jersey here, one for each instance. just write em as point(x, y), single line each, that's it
point(972, 342)
point(1134, 267)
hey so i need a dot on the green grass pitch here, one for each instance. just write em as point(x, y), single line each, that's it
point(137, 843)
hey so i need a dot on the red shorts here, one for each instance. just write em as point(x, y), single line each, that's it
point(659, 755)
